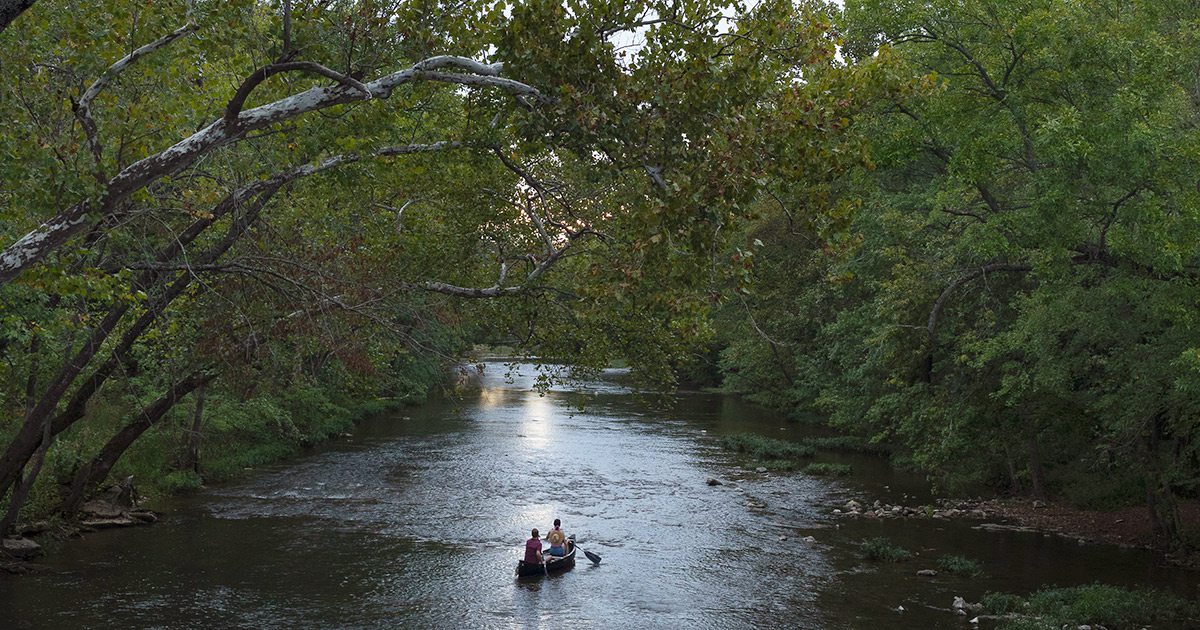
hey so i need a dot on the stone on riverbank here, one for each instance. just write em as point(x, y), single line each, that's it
point(20, 548)
point(927, 573)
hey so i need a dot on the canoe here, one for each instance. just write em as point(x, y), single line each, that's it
point(554, 564)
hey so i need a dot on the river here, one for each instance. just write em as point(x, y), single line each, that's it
point(417, 521)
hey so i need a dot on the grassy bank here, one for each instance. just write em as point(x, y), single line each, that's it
point(240, 426)
point(1094, 605)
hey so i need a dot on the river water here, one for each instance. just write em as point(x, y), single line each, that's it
point(417, 521)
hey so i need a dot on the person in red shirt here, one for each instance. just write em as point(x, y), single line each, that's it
point(533, 548)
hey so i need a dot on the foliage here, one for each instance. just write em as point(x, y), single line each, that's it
point(1096, 604)
point(822, 469)
point(1002, 603)
point(1009, 292)
point(316, 237)
point(960, 565)
point(882, 550)
point(765, 448)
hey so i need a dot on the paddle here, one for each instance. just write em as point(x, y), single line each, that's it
point(590, 556)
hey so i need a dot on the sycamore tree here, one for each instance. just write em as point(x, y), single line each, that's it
point(194, 188)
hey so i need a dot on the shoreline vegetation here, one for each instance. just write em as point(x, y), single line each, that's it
point(1126, 526)
point(240, 435)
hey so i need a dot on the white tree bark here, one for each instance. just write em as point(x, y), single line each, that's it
point(35, 245)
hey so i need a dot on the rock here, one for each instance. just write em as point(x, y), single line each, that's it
point(853, 506)
point(102, 508)
point(809, 539)
point(30, 529)
point(837, 512)
point(760, 469)
point(713, 482)
point(109, 523)
point(20, 548)
point(122, 495)
point(927, 573)
point(782, 538)
point(959, 603)
point(900, 609)
point(1039, 504)
point(975, 621)
point(877, 504)
point(14, 568)
point(145, 516)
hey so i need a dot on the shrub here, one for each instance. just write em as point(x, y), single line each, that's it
point(765, 448)
point(960, 565)
point(1096, 604)
point(850, 443)
point(828, 470)
point(1107, 605)
point(180, 481)
point(882, 550)
point(1002, 603)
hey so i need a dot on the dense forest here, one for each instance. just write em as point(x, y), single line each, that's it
point(967, 229)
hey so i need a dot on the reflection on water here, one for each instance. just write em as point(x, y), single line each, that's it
point(418, 521)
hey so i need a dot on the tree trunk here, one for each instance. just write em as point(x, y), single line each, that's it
point(10, 9)
point(1037, 473)
point(23, 445)
point(1161, 502)
point(191, 458)
point(25, 483)
point(96, 471)
point(1014, 480)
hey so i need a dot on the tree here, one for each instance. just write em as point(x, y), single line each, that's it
point(192, 156)
point(1020, 272)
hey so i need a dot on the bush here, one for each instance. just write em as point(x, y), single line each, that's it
point(1002, 603)
point(765, 448)
point(828, 470)
point(180, 481)
point(850, 443)
point(1107, 605)
point(960, 565)
point(780, 465)
point(1096, 604)
point(882, 550)
point(1108, 490)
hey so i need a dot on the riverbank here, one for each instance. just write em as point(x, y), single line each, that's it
point(1128, 527)
point(120, 504)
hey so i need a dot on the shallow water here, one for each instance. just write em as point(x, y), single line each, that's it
point(419, 518)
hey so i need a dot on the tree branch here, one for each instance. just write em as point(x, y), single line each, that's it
point(36, 244)
point(234, 108)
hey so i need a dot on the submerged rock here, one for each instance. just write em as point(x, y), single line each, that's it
point(713, 482)
point(109, 523)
